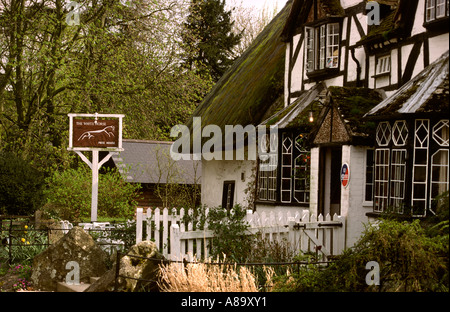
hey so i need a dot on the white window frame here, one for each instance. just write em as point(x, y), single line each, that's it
point(332, 60)
point(420, 144)
point(381, 179)
point(384, 133)
point(322, 43)
point(268, 178)
point(436, 9)
point(383, 65)
point(442, 141)
point(301, 195)
point(310, 49)
point(287, 151)
point(369, 183)
point(397, 182)
point(399, 127)
point(442, 168)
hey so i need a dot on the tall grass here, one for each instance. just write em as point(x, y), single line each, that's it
point(206, 277)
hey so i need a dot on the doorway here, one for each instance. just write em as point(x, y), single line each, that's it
point(330, 161)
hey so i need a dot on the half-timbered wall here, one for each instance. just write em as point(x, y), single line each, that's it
point(385, 66)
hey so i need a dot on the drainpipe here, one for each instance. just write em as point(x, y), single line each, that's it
point(358, 68)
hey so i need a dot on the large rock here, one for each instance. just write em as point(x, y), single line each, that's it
point(134, 267)
point(49, 267)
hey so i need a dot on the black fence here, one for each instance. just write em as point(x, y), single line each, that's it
point(22, 238)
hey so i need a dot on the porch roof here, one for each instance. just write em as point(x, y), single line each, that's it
point(351, 104)
point(428, 92)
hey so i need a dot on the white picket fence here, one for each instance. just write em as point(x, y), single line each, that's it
point(302, 232)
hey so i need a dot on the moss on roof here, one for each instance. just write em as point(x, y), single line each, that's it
point(332, 7)
point(353, 103)
point(254, 82)
point(384, 31)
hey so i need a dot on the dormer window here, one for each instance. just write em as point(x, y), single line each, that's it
point(436, 9)
point(322, 47)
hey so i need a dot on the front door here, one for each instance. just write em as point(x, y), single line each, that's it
point(330, 180)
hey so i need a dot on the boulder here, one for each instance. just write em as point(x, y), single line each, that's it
point(49, 267)
point(135, 266)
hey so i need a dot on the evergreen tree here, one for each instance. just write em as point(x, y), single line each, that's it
point(209, 38)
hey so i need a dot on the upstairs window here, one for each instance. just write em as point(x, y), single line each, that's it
point(322, 47)
point(383, 65)
point(436, 9)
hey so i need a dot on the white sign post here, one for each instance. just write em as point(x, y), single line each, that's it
point(95, 133)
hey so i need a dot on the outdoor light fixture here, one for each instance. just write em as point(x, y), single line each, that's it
point(311, 116)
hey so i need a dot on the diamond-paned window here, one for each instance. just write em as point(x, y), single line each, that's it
point(440, 133)
point(400, 133)
point(383, 133)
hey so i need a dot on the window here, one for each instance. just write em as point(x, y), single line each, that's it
point(383, 65)
point(439, 175)
point(400, 133)
point(293, 167)
point(368, 194)
point(228, 194)
point(398, 179)
point(420, 167)
point(381, 182)
point(411, 166)
point(286, 168)
point(439, 163)
point(301, 171)
point(383, 135)
point(436, 9)
point(268, 168)
point(440, 133)
point(322, 47)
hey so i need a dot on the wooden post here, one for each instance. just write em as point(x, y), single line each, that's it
point(139, 214)
point(175, 242)
point(94, 201)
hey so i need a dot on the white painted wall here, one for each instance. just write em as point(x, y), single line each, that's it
point(215, 172)
point(438, 45)
point(297, 72)
point(419, 19)
point(353, 205)
point(349, 3)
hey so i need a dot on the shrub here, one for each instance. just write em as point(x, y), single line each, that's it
point(409, 260)
point(232, 239)
point(69, 194)
point(21, 186)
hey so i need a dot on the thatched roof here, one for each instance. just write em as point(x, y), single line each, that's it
point(252, 85)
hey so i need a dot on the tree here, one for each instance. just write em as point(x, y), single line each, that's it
point(209, 38)
point(21, 186)
point(122, 57)
point(249, 22)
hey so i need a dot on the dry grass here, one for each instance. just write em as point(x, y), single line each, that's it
point(201, 277)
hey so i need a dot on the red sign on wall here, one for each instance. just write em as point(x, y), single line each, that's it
point(345, 175)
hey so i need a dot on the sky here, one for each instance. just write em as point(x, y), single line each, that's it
point(259, 4)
